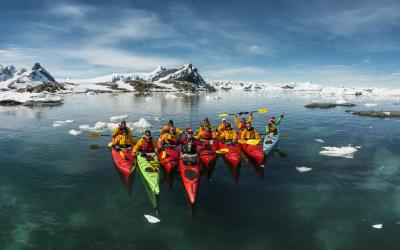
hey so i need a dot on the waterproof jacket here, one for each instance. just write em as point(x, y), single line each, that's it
point(144, 145)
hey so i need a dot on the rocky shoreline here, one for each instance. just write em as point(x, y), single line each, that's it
point(373, 113)
point(327, 105)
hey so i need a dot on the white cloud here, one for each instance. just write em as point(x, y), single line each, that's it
point(69, 10)
point(112, 57)
point(240, 73)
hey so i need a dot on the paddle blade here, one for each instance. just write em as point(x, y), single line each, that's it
point(241, 141)
point(252, 142)
point(262, 110)
point(94, 135)
point(94, 146)
point(222, 151)
point(223, 114)
point(109, 144)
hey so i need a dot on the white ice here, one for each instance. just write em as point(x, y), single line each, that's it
point(346, 151)
point(303, 169)
point(377, 226)
point(370, 105)
point(142, 123)
point(151, 218)
point(341, 101)
point(170, 96)
point(74, 132)
point(319, 140)
point(118, 118)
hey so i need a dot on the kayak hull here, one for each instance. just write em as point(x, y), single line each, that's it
point(234, 156)
point(207, 153)
point(270, 143)
point(170, 162)
point(255, 152)
point(124, 160)
point(149, 170)
point(190, 176)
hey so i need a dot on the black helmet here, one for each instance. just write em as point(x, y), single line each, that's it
point(171, 122)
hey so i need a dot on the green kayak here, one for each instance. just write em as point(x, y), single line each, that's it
point(149, 170)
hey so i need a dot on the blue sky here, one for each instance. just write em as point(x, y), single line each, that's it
point(327, 42)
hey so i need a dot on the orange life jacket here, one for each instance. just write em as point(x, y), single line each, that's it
point(147, 146)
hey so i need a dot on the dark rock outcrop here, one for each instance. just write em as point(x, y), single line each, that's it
point(372, 113)
point(327, 105)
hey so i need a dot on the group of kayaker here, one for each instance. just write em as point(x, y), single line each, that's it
point(170, 135)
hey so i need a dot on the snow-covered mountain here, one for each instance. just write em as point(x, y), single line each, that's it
point(10, 78)
point(184, 78)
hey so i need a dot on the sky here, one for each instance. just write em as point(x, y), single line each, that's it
point(341, 43)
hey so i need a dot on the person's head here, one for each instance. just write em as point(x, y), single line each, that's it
point(248, 125)
point(229, 126)
point(189, 132)
point(147, 134)
point(206, 121)
point(224, 121)
point(172, 130)
point(123, 124)
point(243, 120)
point(171, 123)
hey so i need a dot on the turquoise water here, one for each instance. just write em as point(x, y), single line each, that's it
point(55, 192)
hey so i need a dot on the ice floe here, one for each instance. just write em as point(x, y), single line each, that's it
point(346, 151)
point(377, 226)
point(368, 105)
point(148, 99)
point(319, 140)
point(303, 169)
point(57, 124)
point(151, 218)
point(341, 101)
point(74, 132)
point(118, 118)
point(29, 98)
point(100, 126)
point(142, 123)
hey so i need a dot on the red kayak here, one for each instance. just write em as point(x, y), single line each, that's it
point(207, 153)
point(124, 160)
point(190, 175)
point(234, 155)
point(170, 162)
point(255, 152)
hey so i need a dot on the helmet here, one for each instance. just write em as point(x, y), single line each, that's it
point(171, 122)
point(223, 119)
point(147, 132)
point(206, 119)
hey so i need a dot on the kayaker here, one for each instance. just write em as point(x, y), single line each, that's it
point(206, 134)
point(222, 126)
point(242, 123)
point(168, 139)
point(249, 133)
point(229, 134)
point(121, 127)
point(123, 141)
point(272, 126)
point(168, 127)
point(145, 144)
point(205, 123)
point(188, 147)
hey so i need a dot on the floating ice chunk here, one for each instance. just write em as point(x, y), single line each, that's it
point(60, 123)
point(84, 127)
point(319, 140)
point(213, 97)
point(370, 105)
point(382, 167)
point(74, 132)
point(358, 147)
point(157, 119)
point(377, 226)
point(369, 126)
point(151, 218)
point(118, 117)
point(346, 151)
point(170, 96)
point(387, 113)
point(105, 125)
point(142, 123)
point(341, 101)
point(148, 99)
point(303, 169)
point(91, 93)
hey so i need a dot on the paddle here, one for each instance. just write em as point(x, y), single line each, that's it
point(250, 142)
point(284, 135)
point(261, 111)
point(97, 135)
point(219, 151)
